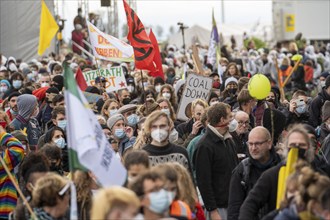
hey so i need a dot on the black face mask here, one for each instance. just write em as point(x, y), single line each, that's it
point(232, 91)
point(271, 100)
point(302, 153)
point(54, 167)
point(126, 101)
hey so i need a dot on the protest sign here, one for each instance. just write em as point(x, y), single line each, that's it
point(196, 87)
point(114, 76)
point(107, 47)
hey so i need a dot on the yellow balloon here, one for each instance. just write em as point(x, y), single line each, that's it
point(259, 86)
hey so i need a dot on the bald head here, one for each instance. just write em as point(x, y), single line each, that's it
point(259, 144)
point(261, 132)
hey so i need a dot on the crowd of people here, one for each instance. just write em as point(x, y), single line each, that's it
point(221, 163)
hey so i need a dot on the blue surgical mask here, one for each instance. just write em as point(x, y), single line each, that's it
point(60, 142)
point(301, 109)
point(160, 201)
point(113, 112)
point(62, 124)
point(120, 133)
point(132, 119)
point(166, 111)
point(17, 84)
point(13, 112)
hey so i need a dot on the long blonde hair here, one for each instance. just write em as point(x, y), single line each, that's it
point(111, 198)
point(186, 186)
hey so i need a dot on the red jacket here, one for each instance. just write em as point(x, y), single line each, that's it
point(77, 37)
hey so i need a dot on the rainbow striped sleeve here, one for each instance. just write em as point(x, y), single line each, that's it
point(14, 152)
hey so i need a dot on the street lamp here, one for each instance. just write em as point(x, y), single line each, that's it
point(182, 27)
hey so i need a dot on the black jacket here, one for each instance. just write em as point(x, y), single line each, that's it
point(241, 182)
point(265, 190)
point(185, 136)
point(215, 160)
point(315, 108)
point(293, 118)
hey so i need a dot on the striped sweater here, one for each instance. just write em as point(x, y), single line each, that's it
point(12, 155)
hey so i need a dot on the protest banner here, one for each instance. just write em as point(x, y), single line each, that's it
point(114, 76)
point(196, 87)
point(107, 47)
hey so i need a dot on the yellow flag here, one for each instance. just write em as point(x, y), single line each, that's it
point(48, 28)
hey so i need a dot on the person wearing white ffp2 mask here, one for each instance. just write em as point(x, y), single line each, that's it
point(158, 126)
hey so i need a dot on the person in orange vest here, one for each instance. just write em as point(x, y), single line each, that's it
point(285, 70)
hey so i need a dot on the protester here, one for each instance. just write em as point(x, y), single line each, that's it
point(136, 162)
point(215, 160)
point(261, 156)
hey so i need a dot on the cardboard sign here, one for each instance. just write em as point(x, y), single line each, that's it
point(107, 47)
point(115, 79)
point(196, 87)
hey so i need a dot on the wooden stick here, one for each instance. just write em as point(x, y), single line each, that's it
point(17, 188)
point(196, 60)
point(289, 76)
point(280, 82)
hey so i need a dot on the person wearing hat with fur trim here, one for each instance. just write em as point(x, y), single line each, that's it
point(315, 110)
point(229, 95)
point(122, 133)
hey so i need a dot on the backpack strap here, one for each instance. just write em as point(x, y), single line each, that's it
point(246, 172)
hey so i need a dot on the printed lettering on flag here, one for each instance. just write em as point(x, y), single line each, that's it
point(114, 76)
point(107, 47)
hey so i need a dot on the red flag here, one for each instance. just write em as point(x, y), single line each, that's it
point(81, 80)
point(143, 48)
point(158, 70)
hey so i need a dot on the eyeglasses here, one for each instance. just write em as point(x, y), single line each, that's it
point(298, 145)
point(257, 144)
point(243, 122)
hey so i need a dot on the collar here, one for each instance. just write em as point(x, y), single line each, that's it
point(216, 132)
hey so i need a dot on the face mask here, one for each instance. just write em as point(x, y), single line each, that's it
point(17, 84)
point(167, 96)
point(13, 112)
point(132, 119)
point(232, 126)
point(3, 89)
point(166, 111)
point(232, 91)
point(126, 101)
point(60, 142)
point(216, 85)
point(44, 84)
point(113, 112)
point(159, 135)
point(322, 84)
point(173, 136)
point(3, 124)
point(301, 109)
point(271, 100)
point(213, 103)
point(174, 84)
point(145, 84)
point(158, 87)
point(160, 201)
point(130, 88)
point(223, 68)
point(62, 124)
point(12, 67)
point(120, 133)
point(54, 167)
point(30, 77)
point(302, 153)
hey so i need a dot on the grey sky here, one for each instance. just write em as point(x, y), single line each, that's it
point(168, 13)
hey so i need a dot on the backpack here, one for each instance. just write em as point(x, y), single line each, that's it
point(246, 173)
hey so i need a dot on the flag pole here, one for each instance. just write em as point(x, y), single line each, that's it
point(17, 188)
point(144, 94)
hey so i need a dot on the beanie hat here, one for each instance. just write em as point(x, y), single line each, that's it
point(113, 120)
point(158, 80)
point(231, 79)
point(13, 94)
point(326, 111)
point(52, 90)
point(5, 82)
point(26, 104)
point(19, 135)
point(327, 82)
point(60, 81)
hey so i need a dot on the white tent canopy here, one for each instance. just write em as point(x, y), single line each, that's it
point(201, 35)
